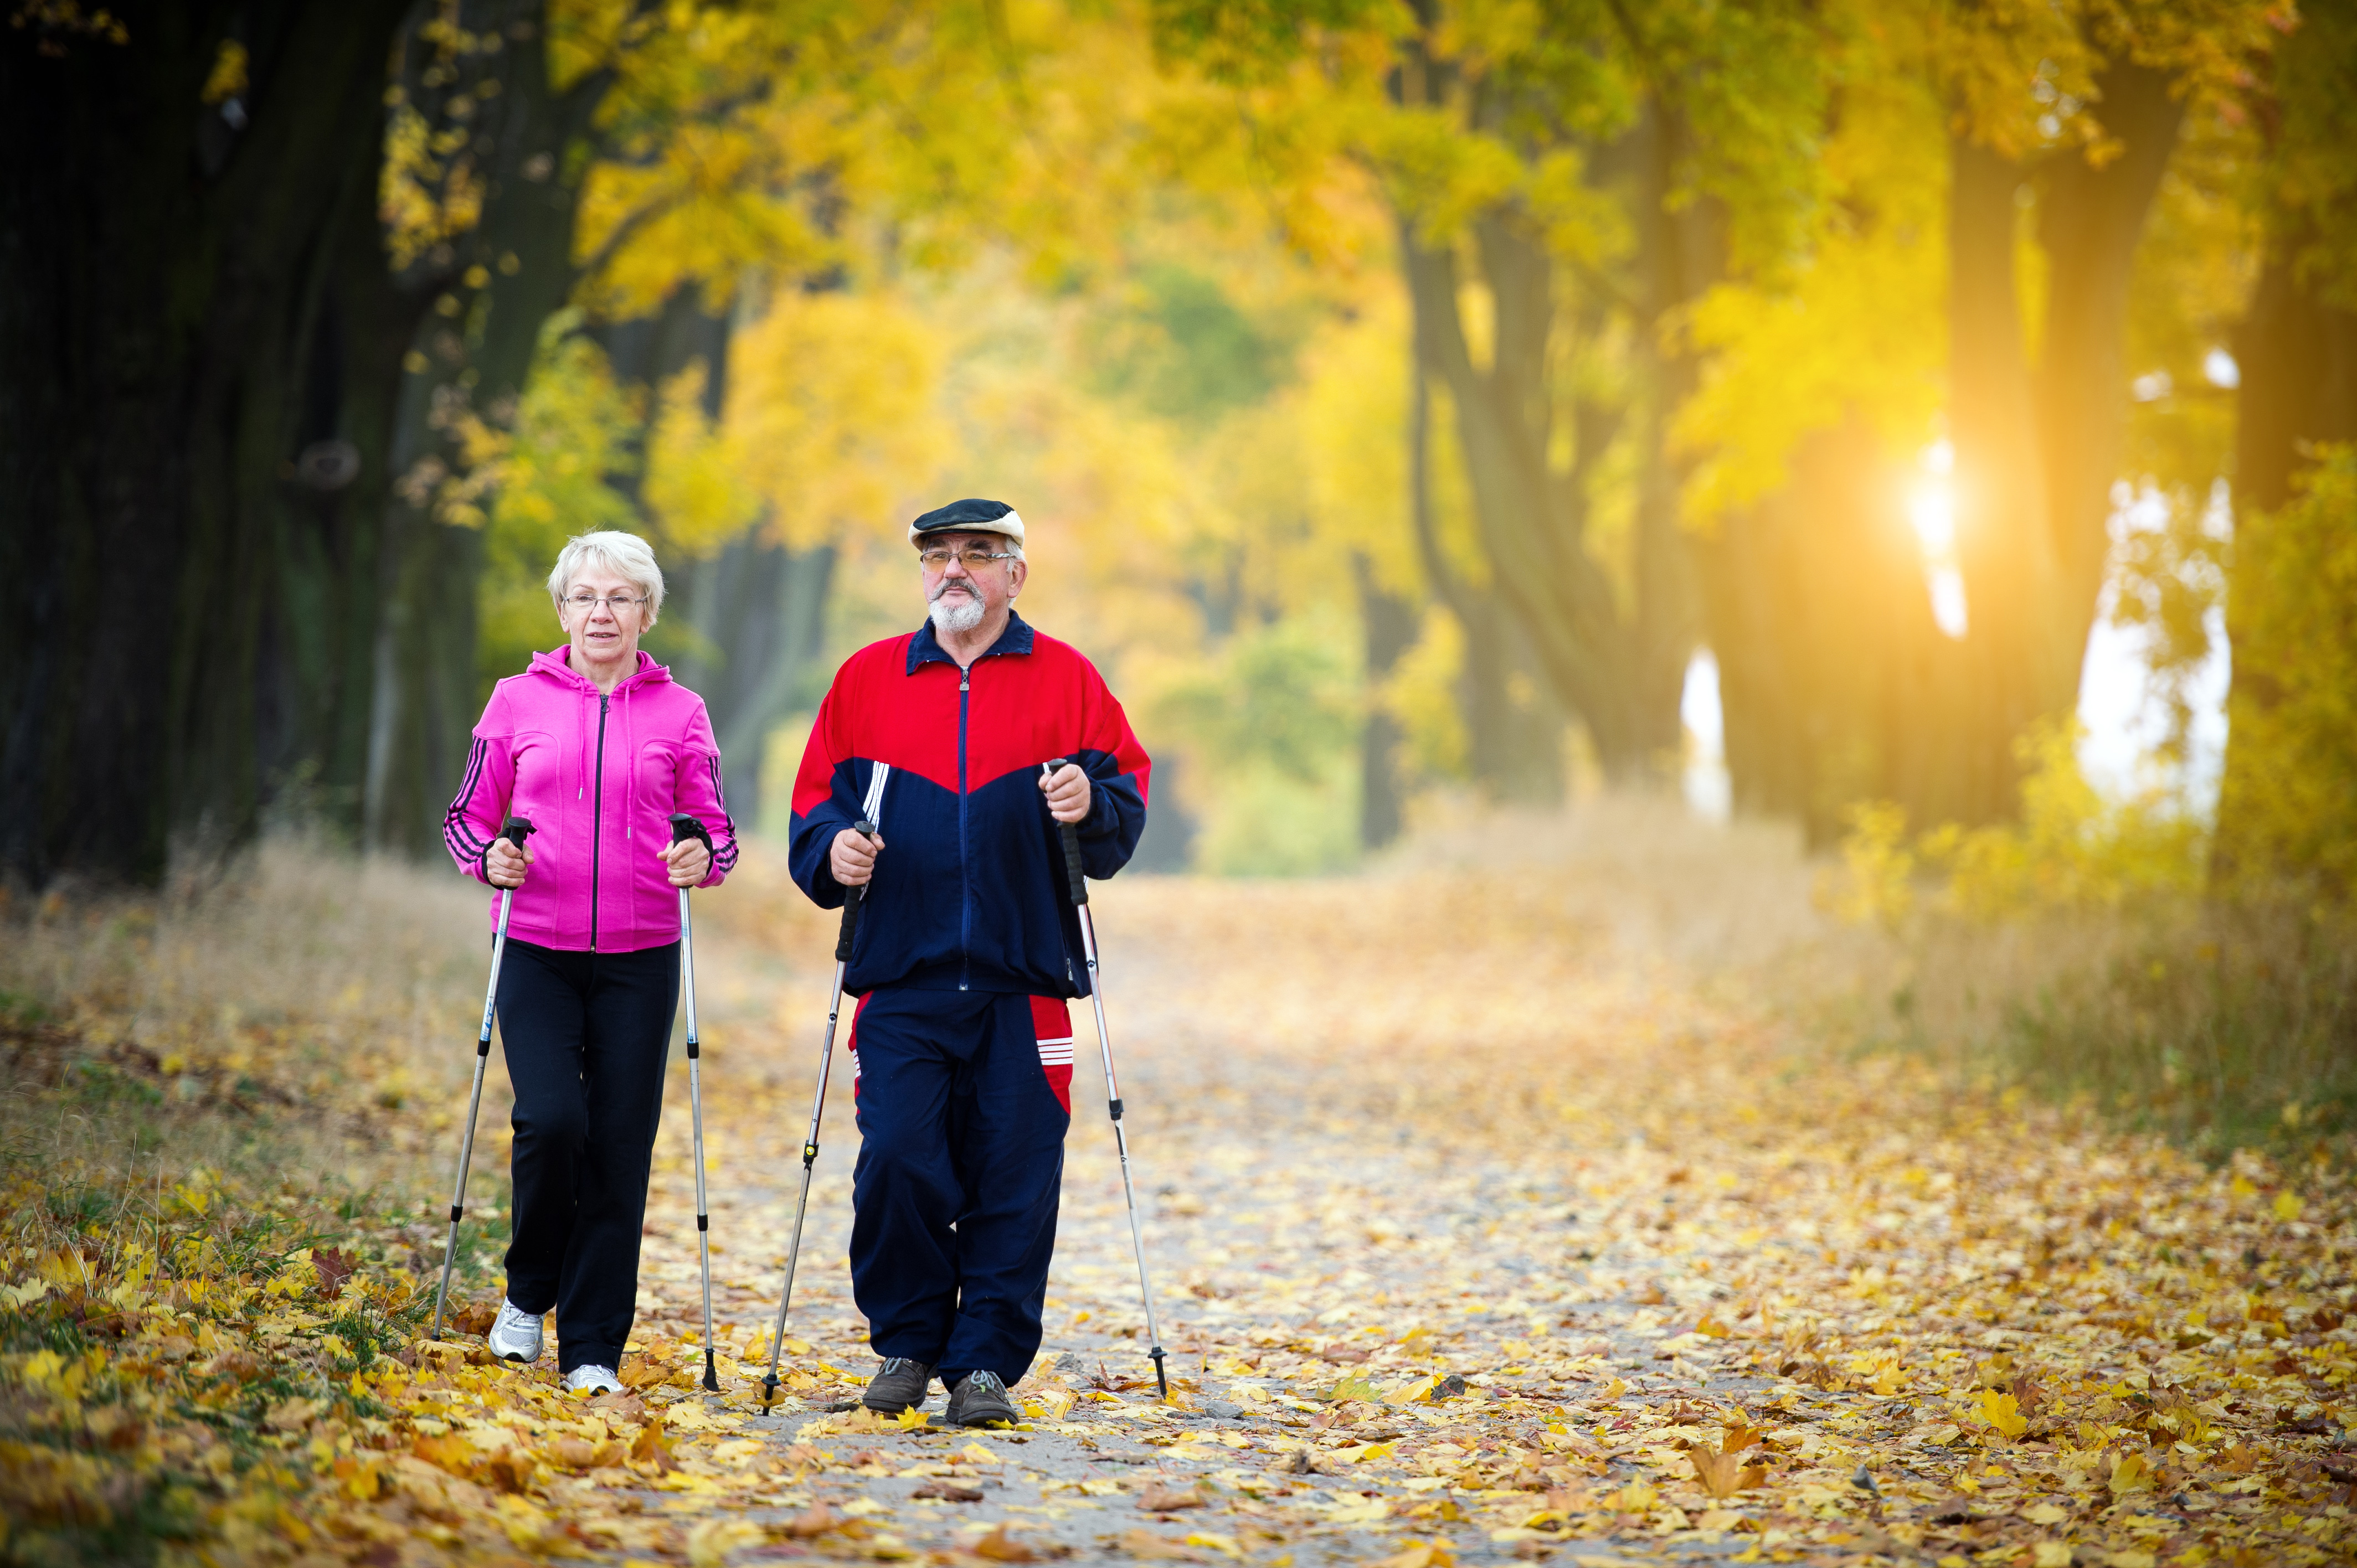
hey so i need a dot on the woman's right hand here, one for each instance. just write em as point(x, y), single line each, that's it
point(506, 866)
point(853, 858)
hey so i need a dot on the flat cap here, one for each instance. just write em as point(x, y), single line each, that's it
point(969, 517)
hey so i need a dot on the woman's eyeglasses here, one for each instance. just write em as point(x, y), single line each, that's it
point(583, 604)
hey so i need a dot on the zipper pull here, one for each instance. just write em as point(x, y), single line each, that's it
point(965, 679)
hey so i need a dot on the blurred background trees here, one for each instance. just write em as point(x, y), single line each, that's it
point(1409, 401)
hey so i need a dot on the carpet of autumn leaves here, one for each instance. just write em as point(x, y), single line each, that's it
point(1498, 1211)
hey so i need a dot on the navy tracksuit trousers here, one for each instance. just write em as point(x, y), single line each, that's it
point(964, 1098)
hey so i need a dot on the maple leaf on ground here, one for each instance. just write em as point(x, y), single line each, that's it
point(1724, 1475)
point(511, 1469)
point(1158, 1548)
point(620, 1406)
point(334, 1267)
point(645, 1372)
point(1419, 1554)
point(814, 1520)
point(572, 1453)
point(474, 1317)
point(948, 1492)
point(652, 1446)
point(450, 1452)
point(1344, 1353)
point(709, 1543)
point(1000, 1547)
point(2002, 1411)
point(2131, 1473)
point(1160, 1498)
point(292, 1415)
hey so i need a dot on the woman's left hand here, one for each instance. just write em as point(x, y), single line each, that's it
point(689, 861)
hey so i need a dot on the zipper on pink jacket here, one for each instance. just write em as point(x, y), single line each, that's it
point(597, 819)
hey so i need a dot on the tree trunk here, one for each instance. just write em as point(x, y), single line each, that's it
point(2296, 349)
point(1828, 650)
point(1513, 728)
point(2005, 544)
point(492, 288)
point(1556, 591)
point(168, 271)
point(2090, 222)
point(1390, 621)
point(2037, 453)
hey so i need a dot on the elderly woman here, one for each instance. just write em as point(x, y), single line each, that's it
point(596, 746)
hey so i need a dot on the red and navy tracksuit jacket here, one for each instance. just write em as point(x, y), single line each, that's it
point(969, 893)
point(967, 949)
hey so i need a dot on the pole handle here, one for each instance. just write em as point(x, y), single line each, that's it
point(851, 898)
point(684, 826)
point(1069, 836)
point(515, 830)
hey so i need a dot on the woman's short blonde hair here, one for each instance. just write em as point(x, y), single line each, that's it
point(625, 554)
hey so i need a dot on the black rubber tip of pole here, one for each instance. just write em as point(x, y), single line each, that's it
point(711, 1377)
point(768, 1391)
point(1160, 1376)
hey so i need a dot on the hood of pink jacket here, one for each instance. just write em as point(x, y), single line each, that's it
point(599, 776)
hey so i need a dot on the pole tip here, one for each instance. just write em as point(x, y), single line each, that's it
point(1161, 1376)
point(768, 1391)
point(711, 1375)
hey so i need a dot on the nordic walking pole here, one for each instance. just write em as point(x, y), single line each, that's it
point(515, 831)
point(871, 812)
point(1070, 835)
point(683, 826)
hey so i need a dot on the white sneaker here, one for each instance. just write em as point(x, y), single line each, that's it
point(592, 1381)
point(515, 1335)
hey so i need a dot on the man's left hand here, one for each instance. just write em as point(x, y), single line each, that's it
point(689, 861)
point(1067, 789)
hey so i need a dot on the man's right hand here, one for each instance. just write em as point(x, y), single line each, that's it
point(853, 858)
point(505, 865)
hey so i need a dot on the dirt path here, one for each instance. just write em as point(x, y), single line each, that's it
point(1509, 1246)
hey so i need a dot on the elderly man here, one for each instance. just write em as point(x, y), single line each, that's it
point(967, 950)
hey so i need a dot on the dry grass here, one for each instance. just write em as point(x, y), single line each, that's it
point(273, 1013)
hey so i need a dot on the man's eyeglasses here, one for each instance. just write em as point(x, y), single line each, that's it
point(583, 604)
point(937, 559)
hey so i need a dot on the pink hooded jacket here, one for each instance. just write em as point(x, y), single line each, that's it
point(599, 776)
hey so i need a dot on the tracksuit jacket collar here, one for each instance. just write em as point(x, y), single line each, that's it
point(926, 648)
point(557, 662)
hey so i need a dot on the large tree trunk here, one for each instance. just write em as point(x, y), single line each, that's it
point(2296, 348)
point(1389, 621)
point(2037, 453)
point(1540, 567)
point(1827, 651)
point(171, 274)
point(1514, 727)
point(492, 288)
point(2090, 223)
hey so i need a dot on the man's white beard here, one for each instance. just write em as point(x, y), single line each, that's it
point(961, 614)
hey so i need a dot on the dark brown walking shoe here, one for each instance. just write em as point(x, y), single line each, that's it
point(981, 1399)
point(902, 1383)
